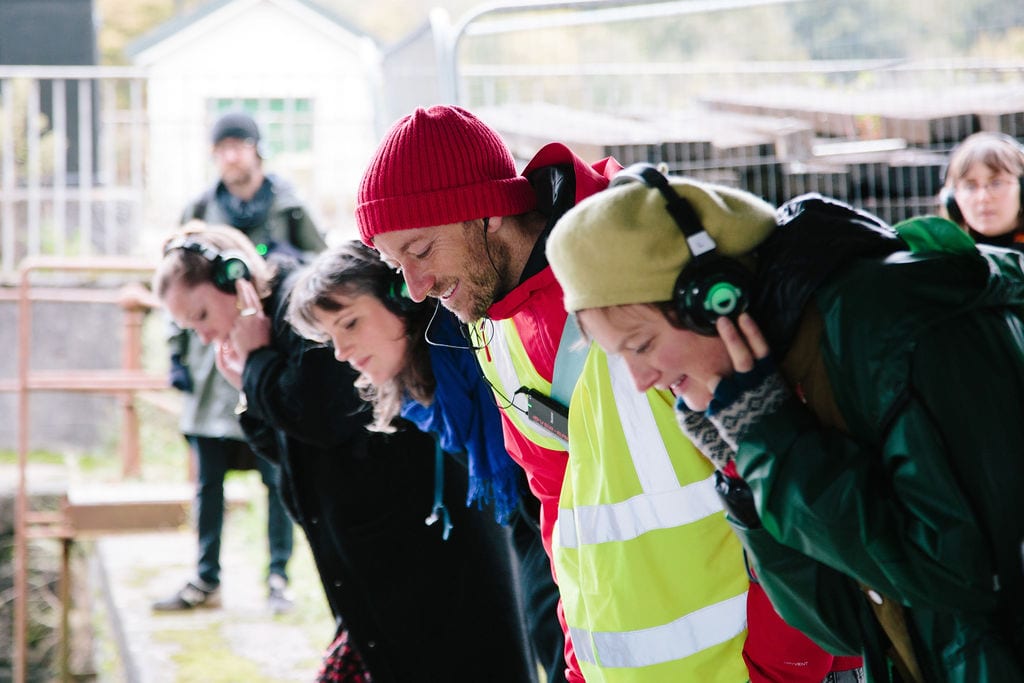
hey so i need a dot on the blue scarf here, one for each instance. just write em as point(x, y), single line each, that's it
point(465, 419)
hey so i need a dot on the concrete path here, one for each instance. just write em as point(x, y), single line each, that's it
point(240, 641)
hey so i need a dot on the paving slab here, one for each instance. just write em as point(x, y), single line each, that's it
point(240, 641)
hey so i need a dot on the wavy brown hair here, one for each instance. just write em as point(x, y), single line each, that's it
point(353, 269)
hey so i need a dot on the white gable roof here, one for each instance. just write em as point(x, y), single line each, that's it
point(258, 25)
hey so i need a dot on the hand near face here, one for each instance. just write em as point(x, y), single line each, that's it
point(745, 344)
point(251, 329)
point(229, 364)
point(754, 389)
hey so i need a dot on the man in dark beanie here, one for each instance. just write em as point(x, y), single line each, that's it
point(237, 125)
point(267, 209)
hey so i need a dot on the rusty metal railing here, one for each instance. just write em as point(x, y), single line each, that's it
point(123, 382)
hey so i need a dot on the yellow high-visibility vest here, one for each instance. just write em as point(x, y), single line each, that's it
point(651, 575)
point(507, 368)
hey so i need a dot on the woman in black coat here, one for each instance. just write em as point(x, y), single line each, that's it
point(417, 608)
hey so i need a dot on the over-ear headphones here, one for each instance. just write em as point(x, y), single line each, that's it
point(396, 296)
point(947, 195)
point(227, 267)
point(710, 285)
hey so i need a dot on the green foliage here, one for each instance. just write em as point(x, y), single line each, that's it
point(35, 457)
point(814, 29)
point(122, 21)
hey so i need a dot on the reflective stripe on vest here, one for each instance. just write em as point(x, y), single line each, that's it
point(663, 504)
point(651, 575)
point(687, 635)
point(507, 367)
point(638, 515)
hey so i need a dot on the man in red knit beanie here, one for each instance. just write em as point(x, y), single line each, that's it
point(652, 579)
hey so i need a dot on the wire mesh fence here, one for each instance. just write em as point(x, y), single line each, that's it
point(858, 101)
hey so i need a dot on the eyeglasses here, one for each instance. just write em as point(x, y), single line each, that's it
point(996, 186)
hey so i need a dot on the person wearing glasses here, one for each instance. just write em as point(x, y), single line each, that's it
point(982, 189)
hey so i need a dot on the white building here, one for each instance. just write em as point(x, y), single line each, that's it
point(307, 77)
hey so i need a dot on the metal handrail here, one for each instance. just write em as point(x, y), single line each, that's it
point(123, 382)
point(578, 13)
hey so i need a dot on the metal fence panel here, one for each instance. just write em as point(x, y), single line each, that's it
point(862, 102)
point(71, 162)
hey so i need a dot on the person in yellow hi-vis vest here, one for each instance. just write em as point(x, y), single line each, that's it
point(652, 580)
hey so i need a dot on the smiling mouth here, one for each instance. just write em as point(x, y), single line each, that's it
point(447, 294)
point(674, 387)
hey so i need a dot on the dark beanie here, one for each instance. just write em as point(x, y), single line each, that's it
point(439, 166)
point(235, 125)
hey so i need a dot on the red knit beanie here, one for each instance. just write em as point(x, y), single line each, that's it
point(439, 166)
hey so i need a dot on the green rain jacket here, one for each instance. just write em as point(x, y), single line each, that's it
point(896, 469)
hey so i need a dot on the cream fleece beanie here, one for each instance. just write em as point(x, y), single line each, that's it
point(621, 246)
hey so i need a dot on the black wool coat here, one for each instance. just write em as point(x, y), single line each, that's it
point(418, 608)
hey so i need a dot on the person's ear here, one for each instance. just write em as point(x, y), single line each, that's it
point(493, 224)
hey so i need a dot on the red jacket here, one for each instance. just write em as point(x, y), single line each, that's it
point(539, 313)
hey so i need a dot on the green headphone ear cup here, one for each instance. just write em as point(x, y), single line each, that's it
point(723, 298)
point(709, 288)
point(234, 269)
point(400, 289)
point(397, 296)
point(227, 270)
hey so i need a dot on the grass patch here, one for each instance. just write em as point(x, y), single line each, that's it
point(205, 656)
point(8, 457)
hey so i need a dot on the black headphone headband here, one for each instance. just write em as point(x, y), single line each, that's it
point(682, 212)
point(226, 267)
point(710, 285)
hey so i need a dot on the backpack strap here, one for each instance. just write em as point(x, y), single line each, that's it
point(294, 221)
point(199, 210)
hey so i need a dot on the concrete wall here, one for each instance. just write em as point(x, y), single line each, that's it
point(64, 336)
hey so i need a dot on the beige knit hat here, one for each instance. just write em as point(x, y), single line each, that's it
point(621, 246)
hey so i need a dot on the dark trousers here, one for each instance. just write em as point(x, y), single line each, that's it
point(540, 594)
point(214, 458)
